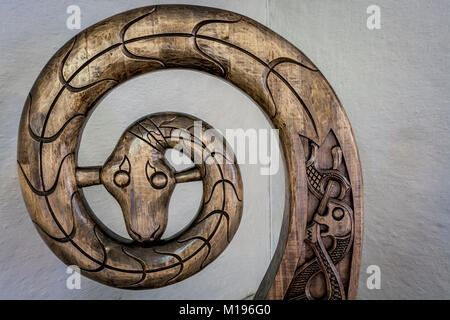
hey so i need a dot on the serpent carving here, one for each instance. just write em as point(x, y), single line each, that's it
point(319, 249)
point(138, 175)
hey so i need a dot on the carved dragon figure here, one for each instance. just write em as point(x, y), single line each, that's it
point(332, 218)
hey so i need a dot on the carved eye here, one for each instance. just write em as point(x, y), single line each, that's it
point(338, 214)
point(122, 176)
point(157, 179)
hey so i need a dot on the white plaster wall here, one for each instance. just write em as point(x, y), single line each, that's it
point(393, 83)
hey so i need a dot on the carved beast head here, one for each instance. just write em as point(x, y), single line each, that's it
point(142, 181)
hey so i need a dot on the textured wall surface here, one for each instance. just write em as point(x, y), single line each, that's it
point(393, 82)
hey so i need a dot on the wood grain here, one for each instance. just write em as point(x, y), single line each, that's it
point(319, 250)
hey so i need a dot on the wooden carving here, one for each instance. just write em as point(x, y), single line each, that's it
point(319, 250)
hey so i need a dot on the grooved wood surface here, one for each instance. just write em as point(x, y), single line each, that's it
point(290, 90)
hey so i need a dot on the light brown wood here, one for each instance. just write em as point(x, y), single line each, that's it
point(319, 250)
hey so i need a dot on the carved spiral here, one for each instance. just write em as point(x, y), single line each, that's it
point(277, 76)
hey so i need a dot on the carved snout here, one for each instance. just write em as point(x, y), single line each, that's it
point(146, 221)
point(144, 199)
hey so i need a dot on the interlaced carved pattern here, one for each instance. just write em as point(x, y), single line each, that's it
point(324, 261)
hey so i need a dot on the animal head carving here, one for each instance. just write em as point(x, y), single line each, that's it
point(337, 219)
point(142, 181)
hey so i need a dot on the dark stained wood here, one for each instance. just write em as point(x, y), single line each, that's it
point(319, 250)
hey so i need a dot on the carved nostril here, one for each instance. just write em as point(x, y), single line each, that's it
point(152, 237)
point(139, 238)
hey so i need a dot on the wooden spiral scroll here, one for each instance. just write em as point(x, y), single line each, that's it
point(319, 249)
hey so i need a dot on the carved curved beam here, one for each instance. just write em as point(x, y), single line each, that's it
point(319, 250)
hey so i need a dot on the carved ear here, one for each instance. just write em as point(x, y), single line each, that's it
point(125, 165)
